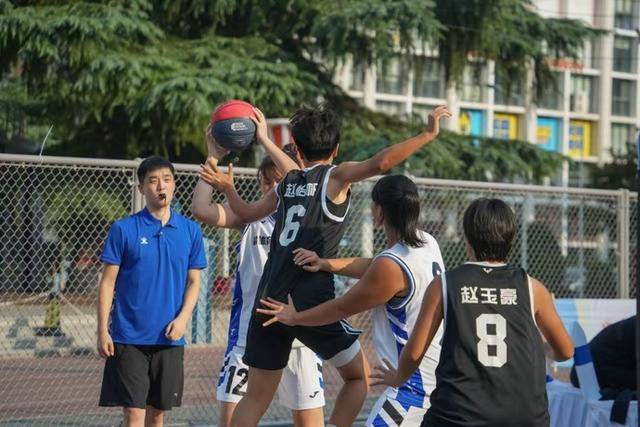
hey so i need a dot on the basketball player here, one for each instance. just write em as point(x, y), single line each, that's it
point(393, 286)
point(492, 367)
point(311, 207)
point(301, 387)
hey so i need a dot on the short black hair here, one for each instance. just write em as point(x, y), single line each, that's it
point(151, 164)
point(490, 227)
point(398, 197)
point(316, 131)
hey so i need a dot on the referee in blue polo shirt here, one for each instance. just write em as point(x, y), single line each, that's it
point(152, 261)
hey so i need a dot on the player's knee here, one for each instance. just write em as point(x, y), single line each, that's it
point(133, 416)
point(308, 417)
point(226, 412)
point(154, 417)
point(356, 372)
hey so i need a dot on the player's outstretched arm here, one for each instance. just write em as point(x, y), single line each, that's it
point(217, 214)
point(350, 267)
point(350, 172)
point(549, 322)
point(246, 212)
point(283, 162)
point(427, 324)
point(382, 281)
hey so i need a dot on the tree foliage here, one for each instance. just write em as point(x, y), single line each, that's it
point(620, 172)
point(128, 78)
point(510, 32)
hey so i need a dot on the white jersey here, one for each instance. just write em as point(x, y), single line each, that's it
point(394, 321)
point(252, 254)
point(302, 385)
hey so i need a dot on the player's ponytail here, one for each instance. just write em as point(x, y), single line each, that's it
point(398, 197)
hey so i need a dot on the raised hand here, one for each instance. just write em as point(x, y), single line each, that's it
point(210, 174)
point(214, 149)
point(262, 134)
point(433, 125)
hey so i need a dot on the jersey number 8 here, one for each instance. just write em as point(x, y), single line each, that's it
point(291, 225)
point(494, 339)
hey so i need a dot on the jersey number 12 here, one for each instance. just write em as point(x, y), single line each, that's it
point(291, 224)
point(494, 339)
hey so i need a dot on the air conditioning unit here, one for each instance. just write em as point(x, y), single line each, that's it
point(581, 102)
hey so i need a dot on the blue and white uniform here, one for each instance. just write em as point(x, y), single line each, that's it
point(301, 386)
point(392, 325)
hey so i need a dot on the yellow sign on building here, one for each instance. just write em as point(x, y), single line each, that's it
point(580, 142)
point(465, 123)
point(505, 126)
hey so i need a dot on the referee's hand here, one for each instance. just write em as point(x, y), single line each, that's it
point(105, 345)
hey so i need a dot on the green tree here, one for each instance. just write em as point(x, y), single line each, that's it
point(127, 78)
point(510, 32)
point(620, 172)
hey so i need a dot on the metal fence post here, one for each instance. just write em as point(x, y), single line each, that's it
point(624, 223)
point(366, 229)
point(137, 200)
point(527, 213)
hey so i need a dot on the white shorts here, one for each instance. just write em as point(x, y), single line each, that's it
point(301, 386)
point(397, 407)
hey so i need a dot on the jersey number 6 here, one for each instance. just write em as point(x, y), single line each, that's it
point(291, 225)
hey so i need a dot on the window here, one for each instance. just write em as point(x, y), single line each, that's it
point(474, 84)
point(392, 77)
point(623, 54)
point(505, 95)
point(583, 90)
point(356, 77)
point(622, 97)
point(553, 93)
point(579, 176)
point(429, 78)
point(391, 108)
point(624, 14)
point(621, 137)
point(585, 54)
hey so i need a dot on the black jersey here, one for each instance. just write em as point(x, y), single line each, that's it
point(306, 219)
point(492, 366)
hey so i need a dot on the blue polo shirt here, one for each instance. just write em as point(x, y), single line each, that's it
point(154, 261)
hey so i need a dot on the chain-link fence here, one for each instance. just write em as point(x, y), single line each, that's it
point(55, 214)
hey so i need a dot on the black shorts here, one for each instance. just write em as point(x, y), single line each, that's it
point(141, 375)
point(269, 347)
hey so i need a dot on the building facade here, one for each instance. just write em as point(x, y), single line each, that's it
point(592, 111)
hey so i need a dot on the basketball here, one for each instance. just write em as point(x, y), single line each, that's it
point(232, 126)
